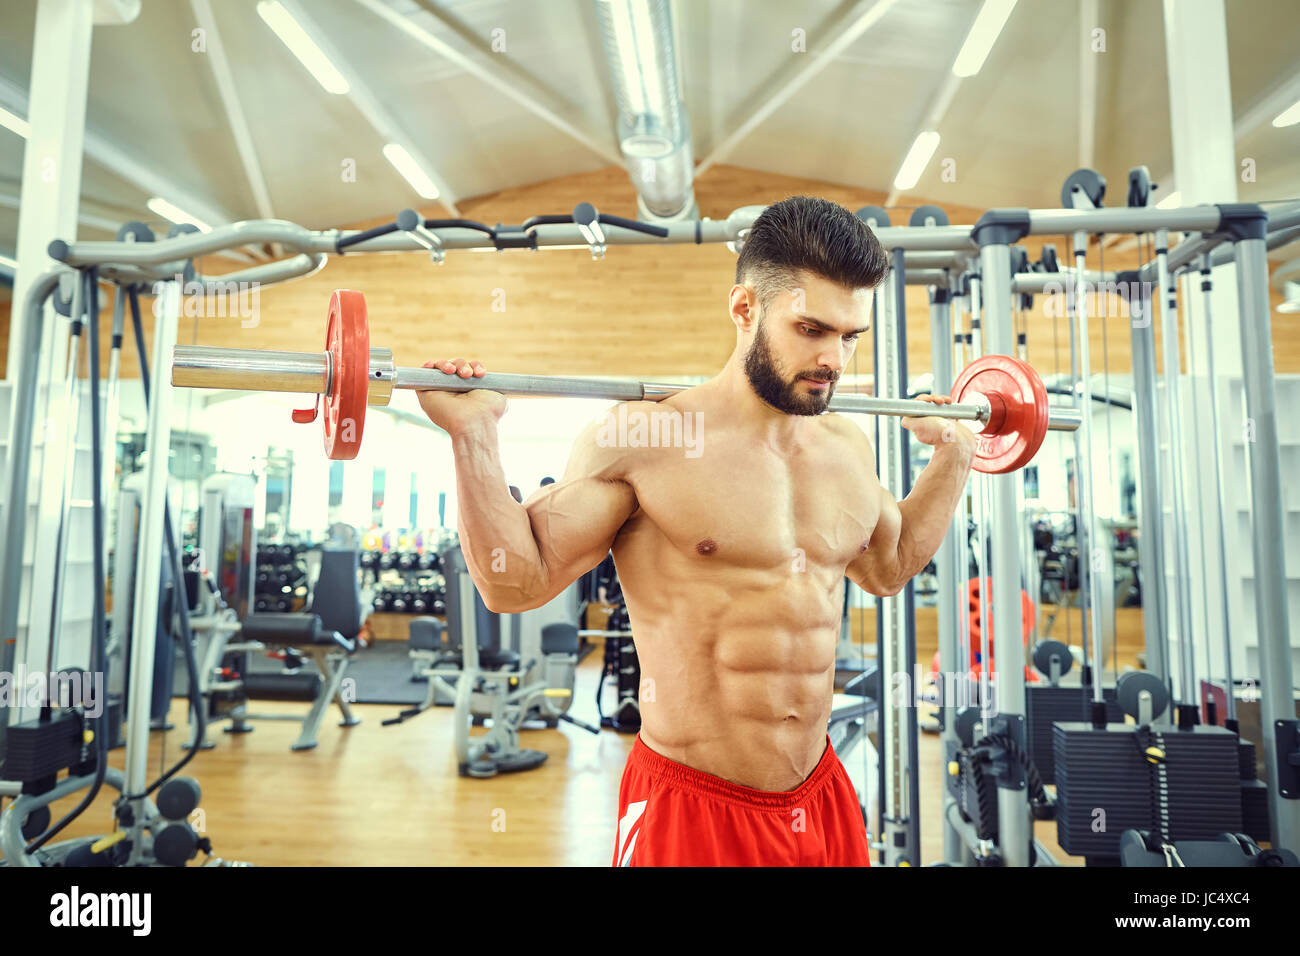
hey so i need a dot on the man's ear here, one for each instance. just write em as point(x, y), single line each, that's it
point(743, 305)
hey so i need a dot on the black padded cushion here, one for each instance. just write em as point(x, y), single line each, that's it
point(336, 595)
point(487, 660)
point(559, 638)
point(291, 630)
point(496, 660)
point(425, 634)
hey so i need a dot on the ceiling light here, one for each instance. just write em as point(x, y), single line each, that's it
point(175, 213)
point(302, 46)
point(983, 34)
point(15, 122)
point(917, 159)
point(1289, 116)
point(404, 163)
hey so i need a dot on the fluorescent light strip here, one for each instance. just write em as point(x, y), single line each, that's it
point(8, 262)
point(983, 34)
point(302, 46)
point(175, 213)
point(1289, 116)
point(15, 122)
point(918, 157)
point(410, 170)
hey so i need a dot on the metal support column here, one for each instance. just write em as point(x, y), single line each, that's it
point(898, 728)
point(1173, 408)
point(949, 582)
point(1151, 515)
point(149, 555)
point(1086, 532)
point(1206, 169)
point(51, 190)
point(994, 233)
point(1280, 729)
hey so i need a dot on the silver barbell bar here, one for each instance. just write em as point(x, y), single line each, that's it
point(202, 366)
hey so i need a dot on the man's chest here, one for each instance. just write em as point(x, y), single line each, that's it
point(750, 506)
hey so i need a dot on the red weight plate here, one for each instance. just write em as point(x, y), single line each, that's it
point(347, 339)
point(1024, 396)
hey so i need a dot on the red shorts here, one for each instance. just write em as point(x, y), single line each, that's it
point(674, 815)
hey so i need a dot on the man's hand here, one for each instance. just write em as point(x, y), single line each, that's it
point(456, 412)
point(933, 430)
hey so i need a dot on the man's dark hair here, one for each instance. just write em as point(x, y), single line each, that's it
point(807, 234)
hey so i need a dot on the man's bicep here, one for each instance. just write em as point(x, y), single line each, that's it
point(889, 525)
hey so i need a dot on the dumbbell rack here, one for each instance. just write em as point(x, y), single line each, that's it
point(280, 582)
point(419, 589)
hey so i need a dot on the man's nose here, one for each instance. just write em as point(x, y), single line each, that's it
point(831, 361)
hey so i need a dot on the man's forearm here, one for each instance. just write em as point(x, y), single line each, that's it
point(927, 511)
point(495, 532)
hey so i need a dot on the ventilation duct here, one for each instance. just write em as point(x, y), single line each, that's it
point(654, 129)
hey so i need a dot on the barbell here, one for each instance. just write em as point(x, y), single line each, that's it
point(1003, 394)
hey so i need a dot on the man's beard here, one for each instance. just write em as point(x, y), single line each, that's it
point(766, 380)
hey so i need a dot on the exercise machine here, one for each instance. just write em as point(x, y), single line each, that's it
point(488, 682)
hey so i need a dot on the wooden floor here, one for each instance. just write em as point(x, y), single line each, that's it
point(374, 795)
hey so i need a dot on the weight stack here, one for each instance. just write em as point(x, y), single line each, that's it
point(1254, 811)
point(39, 749)
point(1105, 770)
point(114, 724)
point(1254, 796)
point(1046, 705)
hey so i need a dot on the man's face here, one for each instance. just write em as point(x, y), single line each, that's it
point(802, 342)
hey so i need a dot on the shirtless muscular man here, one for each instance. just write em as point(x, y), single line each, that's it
point(731, 558)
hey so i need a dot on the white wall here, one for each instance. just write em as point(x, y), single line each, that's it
point(536, 437)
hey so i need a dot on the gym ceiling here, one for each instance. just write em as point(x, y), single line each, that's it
point(156, 118)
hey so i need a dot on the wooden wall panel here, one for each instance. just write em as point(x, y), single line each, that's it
point(642, 311)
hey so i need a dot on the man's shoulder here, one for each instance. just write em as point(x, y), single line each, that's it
point(624, 432)
point(846, 427)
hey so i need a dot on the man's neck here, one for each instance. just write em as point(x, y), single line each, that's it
point(750, 413)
